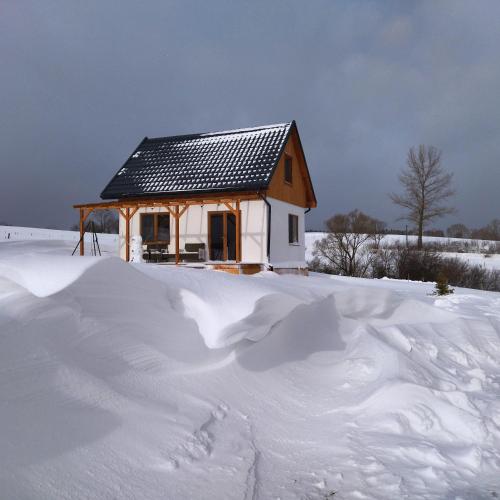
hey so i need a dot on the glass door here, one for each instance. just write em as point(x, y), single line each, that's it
point(216, 235)
point(222, 235)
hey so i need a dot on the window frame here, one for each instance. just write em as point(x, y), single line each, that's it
point(156, 216)
point(288, 179)
point(293, 229)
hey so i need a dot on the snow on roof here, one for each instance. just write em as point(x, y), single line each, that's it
point(232, 160)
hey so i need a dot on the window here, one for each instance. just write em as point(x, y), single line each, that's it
point(155, 228)
point(288, 169)
point(147, 227)
point(293, 229)
point(163, 227)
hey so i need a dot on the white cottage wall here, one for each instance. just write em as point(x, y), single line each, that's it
point(194, 228)
point(283, 253)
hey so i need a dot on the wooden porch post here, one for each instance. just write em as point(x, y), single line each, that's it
point(127, 215)
point(238, 232)
point(127, 234)
point(82, 231)
point(177, 225)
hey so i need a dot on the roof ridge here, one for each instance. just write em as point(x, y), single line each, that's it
point(219, 133)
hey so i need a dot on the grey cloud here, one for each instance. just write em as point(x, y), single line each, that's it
point(83, 82)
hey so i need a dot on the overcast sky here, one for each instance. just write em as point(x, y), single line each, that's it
point(82, 82)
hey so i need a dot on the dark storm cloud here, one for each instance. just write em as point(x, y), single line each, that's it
point(83, 82)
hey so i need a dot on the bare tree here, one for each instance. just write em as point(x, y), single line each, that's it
point(104, 221)
point(426, 185)
point(458, 231)
point(348, 247)
point(489, 232)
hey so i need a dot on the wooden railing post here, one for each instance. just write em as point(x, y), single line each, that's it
point(127, 234)
point(82, 231)
point(177, 225)
point(238, 232)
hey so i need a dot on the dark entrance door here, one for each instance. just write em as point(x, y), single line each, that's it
point(222, 235)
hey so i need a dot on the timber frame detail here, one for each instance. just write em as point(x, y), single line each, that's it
point(176, 207)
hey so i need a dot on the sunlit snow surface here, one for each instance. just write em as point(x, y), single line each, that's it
point(140, 381)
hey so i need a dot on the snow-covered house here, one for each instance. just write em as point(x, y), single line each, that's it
point(232, 200)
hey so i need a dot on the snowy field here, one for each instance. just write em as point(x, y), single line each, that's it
point(108, 242)
point(147, 382)
point(490, 262)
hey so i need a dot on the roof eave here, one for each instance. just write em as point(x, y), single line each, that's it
point(180, 194)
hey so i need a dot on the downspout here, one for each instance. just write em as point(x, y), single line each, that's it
point(268, 226)
point(305, 212)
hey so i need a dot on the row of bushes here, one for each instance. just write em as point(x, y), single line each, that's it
point(454, 246)
point(464, 246)
point(426, 265)
point(489, 232)
point(401, 262)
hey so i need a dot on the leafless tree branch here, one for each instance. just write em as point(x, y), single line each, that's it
point(425, 187)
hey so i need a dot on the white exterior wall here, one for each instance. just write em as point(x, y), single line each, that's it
point(284, 254)
point(194, 228)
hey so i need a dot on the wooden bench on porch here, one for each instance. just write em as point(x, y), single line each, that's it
point(158, 252)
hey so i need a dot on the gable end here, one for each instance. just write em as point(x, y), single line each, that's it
point(300, 191)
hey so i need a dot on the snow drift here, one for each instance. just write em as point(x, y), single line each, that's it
point(144, 381)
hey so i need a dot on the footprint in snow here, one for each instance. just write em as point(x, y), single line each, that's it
point(220, 412)
point(200, 443)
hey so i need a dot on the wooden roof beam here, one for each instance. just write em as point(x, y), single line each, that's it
point(164, 201)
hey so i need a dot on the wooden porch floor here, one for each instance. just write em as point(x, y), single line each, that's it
point(228, 267)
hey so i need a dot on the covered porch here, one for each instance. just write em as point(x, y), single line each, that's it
point(219, 246)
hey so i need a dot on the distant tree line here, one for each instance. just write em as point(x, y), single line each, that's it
point(489, 232)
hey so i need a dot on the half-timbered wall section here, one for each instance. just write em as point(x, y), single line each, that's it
point(193, 228)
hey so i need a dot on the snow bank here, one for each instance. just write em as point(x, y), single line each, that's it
point(250, 311)
point(366, 388)
point(46, 274)
point(46, 266)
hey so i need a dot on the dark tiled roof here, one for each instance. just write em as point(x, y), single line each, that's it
point(223, 161)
